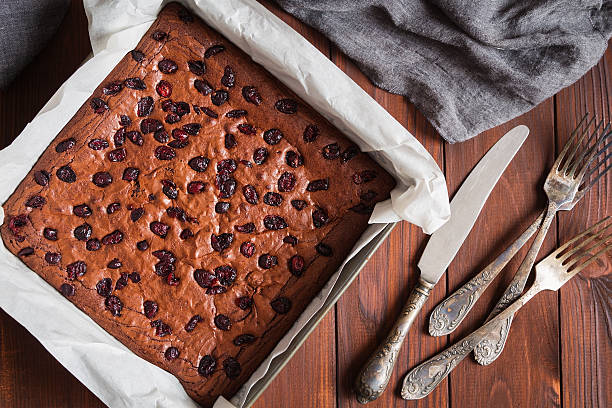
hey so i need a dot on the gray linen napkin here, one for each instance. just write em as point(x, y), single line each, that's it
point(467, 65)
point(25, 28)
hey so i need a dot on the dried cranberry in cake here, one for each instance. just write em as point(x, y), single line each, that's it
point(67, 289)
point(226, 185)
point(102, 179)
point(244, 339)
point(291, 240)
point(82, 232)
point(246, 163)
point(164, 88)
point(66, 174)
point(318, 185)
point(135, 83)
point(244, 302)
point(286, 182)
point(176, 212)
point(231, 366)
point(36, 201)
point(76, 270)
point(222, 207)
point(331, 151)
point(281, 305)
point(324, 249)
point(267, 261)
point(236, 113)
point(130, 174)
point(293, 159)
point(349, 153)
point(250, 94)
point(104, 287)
point(42, 177)
point(134, 277)
point(209, 112)
point(93, 244)
point(137, 56)
point(247, 129)
point(119, 137)
point(178, 144)
point(196, 109)
point(362, 208)
point(192, 128)
point(113, 238)
point(207, 366)
point(98, 106)
point(226, 166)
point(319, 217)
point(113, 207)
point(124, 120)
point(64, 145)
point(145, 106)
point(161, 329)
point(171, 353)
point(297, 265)
point(274, 222)
point(150, 125)
point(97, 144)
point(159, 228)
point(196, 187)
point(288, 106)
point(113, 304)
point(122, 282)
point(112, 88)
point(260, 155)
point(247, 249)
point(159, 35)
point(223, 322)
point(182, 108)
point(225, 274)
point(221, 241)
point(273, 199)
point(245, 228)
point(364, 176)
point(250, 194)
point(27, 251)
point(214, 50)
point(142, 245)
point(186, 234)
point(50, 234)
point(161, 136)
point(197, 67)
point(204, 278)
point(164, 153)
point(203, 87)
point(167, 66)
point(117, 155)
point(82, 210)
point(150, 308)
point(136, 214)
point(168, 106)
point(192, 323)
point(164, 268)
point(180, 134)
point(230, 141)
point(229, 78)
point(272, 136)
point(172, 279)
point(219, 97)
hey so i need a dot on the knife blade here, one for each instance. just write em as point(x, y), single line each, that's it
point(438, 254)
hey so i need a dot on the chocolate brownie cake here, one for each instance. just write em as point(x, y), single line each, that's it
point(193, 206)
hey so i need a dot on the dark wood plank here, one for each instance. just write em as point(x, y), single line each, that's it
point(527, 373)
point(366, 311)
point(585, 302)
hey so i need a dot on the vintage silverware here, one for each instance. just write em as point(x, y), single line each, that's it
point(439, 252)
point(551, 273)
point(447, 316)
point(561, 187)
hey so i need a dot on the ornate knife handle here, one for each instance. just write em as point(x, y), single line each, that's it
point(451, 311)
point(375, 375)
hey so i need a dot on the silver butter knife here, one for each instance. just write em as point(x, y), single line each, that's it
point(439, 252)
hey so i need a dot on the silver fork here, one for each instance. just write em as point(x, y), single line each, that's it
point(447, 316)
point(551, 273)
point(561, 187)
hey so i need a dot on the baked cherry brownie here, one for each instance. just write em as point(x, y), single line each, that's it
point(193, 206)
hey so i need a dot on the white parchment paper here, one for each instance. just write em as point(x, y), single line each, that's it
point(116, 375)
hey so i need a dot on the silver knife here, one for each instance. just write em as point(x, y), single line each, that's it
point(439, 252)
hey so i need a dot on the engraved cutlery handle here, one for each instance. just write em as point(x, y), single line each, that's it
point(451, 311)
point(493, 344)
point(376, 373)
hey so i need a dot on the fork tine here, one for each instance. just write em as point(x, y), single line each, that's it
point(577, 237)
point(600, 161)
point(589, 154)
point(587, 251)
point(583, 244)
point(573, 136)
point(570, 160)
point(589, 261)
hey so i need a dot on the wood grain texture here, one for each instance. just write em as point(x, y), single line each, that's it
point(559, 352)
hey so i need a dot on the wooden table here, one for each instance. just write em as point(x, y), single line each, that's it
point(560, 348)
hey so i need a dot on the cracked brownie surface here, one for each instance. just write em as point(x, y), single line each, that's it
point(193, 206)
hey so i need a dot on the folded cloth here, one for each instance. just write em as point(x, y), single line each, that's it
point(466, 65)
point(25, 28)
